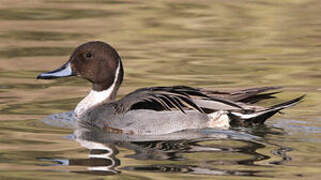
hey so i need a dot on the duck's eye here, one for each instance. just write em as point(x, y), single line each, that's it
point(88, 55)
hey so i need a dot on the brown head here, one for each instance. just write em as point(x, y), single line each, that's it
point(95, 61)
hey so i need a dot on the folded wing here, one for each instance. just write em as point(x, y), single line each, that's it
point(176, 98)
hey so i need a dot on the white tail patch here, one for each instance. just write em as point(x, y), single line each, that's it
point(248, 116)
point(96, 97)
point(256, 114)
point(219, 119)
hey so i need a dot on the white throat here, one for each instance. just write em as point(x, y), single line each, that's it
point(97, 97)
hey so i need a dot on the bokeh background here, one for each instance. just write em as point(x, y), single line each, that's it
point(205, 43)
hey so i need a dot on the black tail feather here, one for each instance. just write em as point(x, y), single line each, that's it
point(288, 103)
point(259, 117)
point(258, 120)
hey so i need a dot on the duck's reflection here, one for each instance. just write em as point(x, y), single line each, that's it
point(101, 159)
point(171, 149)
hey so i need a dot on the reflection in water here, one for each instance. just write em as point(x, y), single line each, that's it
point(101, 160)
point(208, 43)
point(192, 170)
point(172, 148)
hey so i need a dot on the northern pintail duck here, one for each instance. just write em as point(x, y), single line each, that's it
point(156, 110)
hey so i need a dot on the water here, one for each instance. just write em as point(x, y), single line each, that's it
point(216, 44)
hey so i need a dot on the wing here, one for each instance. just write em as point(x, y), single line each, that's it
point(251, 95)
point(171, 98)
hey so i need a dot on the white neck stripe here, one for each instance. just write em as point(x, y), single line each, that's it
point(96, 97)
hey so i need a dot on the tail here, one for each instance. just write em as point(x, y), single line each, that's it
point(259, 117)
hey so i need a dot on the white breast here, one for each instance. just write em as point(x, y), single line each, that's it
point(96, 97)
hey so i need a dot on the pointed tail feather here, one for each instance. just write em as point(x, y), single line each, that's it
point(260, 117)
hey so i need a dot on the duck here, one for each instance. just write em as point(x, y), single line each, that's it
point(157, 110)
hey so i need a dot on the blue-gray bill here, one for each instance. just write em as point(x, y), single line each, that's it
point(63, 71)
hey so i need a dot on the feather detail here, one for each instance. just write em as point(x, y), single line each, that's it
point(175, 98)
